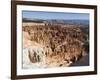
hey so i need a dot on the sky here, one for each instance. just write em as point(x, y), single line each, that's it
point(54, 15)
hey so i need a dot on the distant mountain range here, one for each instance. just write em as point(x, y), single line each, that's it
point(59, 21)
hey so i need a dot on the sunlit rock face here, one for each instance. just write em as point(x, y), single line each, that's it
point(52, 45)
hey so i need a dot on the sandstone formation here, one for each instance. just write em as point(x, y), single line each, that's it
point(54, 45)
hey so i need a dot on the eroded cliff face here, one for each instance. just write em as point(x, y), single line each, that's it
point(53, 45)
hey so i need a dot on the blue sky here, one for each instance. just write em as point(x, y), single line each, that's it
point(54, 15)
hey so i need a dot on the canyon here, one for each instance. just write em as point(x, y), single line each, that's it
point(47, 44)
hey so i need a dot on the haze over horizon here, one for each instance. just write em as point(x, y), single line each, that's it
point(54, 15)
